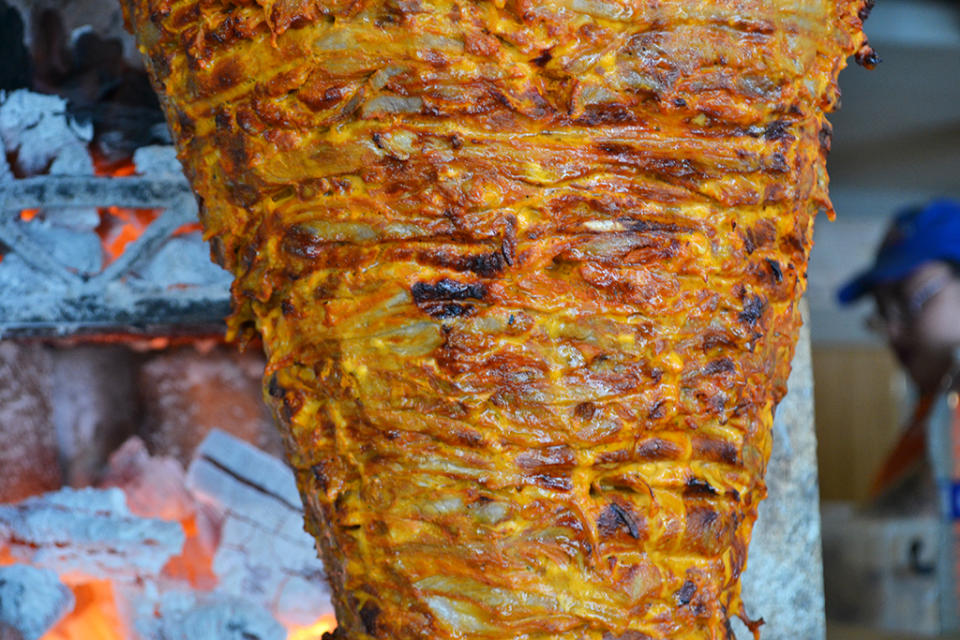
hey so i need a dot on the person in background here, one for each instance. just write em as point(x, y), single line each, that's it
point(915, 284)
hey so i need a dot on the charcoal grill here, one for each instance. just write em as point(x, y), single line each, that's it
point(111, 301)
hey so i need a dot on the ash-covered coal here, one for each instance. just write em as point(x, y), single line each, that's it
point(79, 51)
point(216, 552)
point(32, 600)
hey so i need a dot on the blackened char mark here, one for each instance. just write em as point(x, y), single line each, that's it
point(867, 57)
point(777, 130)
point(542, 59)
point(721, 365)
point(826, 137)
point(447, 289)
point(865, 10)
point(775, 269)
point(274, 388)
point(614, 517)
point(601, 114)
point(486, 264)
point(321, 475)
point(684, 594)
point(659, 449)
point(442, 299)
point(715, 450)
point(697, 487)
point(753, 308)
point(444, 310)
point(369, 613)
point(648, 226)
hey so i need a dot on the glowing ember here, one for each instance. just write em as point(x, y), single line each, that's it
point(315, 631)
point(94, 616)
point(198, 581)
point(195, 564)
point(119, 227)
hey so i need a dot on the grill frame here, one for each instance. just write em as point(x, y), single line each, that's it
point(104, 303)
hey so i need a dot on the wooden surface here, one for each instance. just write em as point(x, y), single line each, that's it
point(859, 397)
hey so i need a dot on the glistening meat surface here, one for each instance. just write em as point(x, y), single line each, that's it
point(527, 274)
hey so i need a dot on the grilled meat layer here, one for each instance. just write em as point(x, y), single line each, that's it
point(527, 274)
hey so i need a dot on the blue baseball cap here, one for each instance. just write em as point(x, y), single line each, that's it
point(917, 235)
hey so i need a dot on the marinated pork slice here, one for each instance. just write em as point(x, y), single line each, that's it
point(527, 274)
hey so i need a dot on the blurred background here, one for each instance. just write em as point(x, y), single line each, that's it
point(896, 144)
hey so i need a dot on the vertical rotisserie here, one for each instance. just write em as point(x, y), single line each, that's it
point(527, 274)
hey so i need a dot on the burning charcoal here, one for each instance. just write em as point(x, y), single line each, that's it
point(186, 394)
point(264, 554)
point(157, 161)
point(83, 219)
point(36, 128)
point(73, 160)
point(32, 600)
point(155, 487)
point(19, 281)
point(301, 599)
point(243, 480)
point(191, 615)
point(95, 406)
point(79, 251)
point(28, 457)
point(184, 260)
point(83, 533)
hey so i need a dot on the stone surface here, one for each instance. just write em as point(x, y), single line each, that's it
point(28, 455)
point(32, 600)
point(884, 570)
point(783, 583)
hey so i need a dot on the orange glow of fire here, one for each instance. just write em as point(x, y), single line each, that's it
point(315, 631)
point(94, 616)
point(119, 226)
point(195, 562)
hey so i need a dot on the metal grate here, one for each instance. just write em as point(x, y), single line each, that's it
point(40, 295)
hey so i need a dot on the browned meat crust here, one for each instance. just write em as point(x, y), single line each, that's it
point(527, 274)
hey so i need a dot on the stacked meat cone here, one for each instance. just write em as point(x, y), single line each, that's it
point(528, 276)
